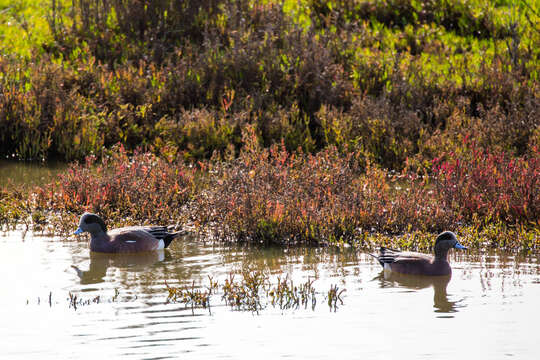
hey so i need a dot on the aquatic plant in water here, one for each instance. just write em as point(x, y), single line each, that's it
point(255, 291)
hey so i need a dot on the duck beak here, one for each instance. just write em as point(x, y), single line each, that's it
point(78, 231)
point(459, 246)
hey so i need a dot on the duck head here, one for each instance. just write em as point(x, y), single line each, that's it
point(446, 241)
point(91, 223)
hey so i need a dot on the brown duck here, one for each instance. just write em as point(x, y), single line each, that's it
point(414, 263)
point(129, 239)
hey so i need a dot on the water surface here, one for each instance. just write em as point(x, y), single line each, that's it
point(28, 173)
point(488, 309)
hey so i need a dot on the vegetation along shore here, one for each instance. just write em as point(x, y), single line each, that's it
point(278, 122)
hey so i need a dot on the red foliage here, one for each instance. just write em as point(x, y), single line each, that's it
point(271, 195)
point(142, 187)
point(491, 185)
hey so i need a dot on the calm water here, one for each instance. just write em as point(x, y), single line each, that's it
point(28, 173)
point(489, 309)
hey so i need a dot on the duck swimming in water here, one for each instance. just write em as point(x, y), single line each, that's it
point(414, 263)
point(129, 239)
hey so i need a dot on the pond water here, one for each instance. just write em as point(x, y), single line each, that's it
point(29, 173)
point(488, 309)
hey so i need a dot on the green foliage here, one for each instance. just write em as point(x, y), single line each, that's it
point(393, 80)
point(466, 18)
point(23, 27)
point(14, 208)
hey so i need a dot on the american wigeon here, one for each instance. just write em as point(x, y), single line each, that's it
point(407, 262)
point(129, 239)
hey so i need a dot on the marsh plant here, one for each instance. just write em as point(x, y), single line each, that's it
point(124, 189)
point(254, 290)
point(286, 295)
point(271, 195)
point(334, 297)
point(275, 196)
point(75, 301)
point(192, 295)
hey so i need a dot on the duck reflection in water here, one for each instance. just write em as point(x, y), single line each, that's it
point(100, 262)
point(441, 303)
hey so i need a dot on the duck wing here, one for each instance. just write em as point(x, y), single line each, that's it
point(386, 255)
point(158, 232)
point(391, 256)
point(131, 234)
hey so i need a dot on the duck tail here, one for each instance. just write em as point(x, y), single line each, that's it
point(377, 257)
point(167, 239)
point(383, 254)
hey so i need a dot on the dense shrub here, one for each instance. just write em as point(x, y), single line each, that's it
point(272, 195)
point(466, 18)
point(121, 188)
point(399, 80)
point(491, 186)
point(308, 122)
